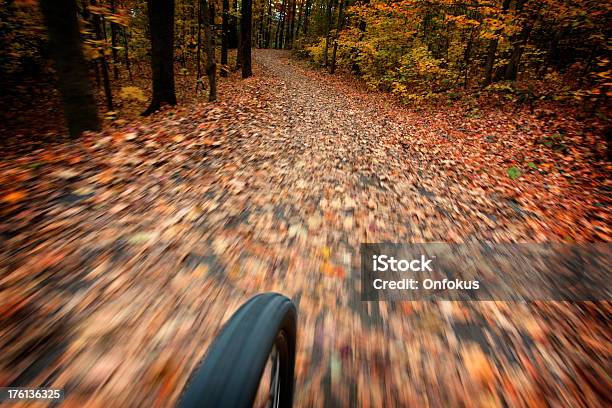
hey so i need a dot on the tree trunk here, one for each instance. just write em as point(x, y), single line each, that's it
point(103, 64)
point(199, 48)
point(281, 40)
point(277, 35)
point(211, 65)
point(238, 38)
point(517, 53)
point(338, 29)
point(330, 6)
point(362, 24)
point(490, 62)
point(245, 37)
point(292, 24)
point(161, 26)
point(492, 50)
point(233, 28)
point(73, 82)
point(288, 21)
point(269, 24)
point(127, 55)
point(299, 21)
point(114, 41)
point(467, 57)
point(261, 33)
point(519, 43)
point(307, 17)
point(96, 67)
point(224, 37)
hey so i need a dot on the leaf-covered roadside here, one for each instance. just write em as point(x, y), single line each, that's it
point(123, 253)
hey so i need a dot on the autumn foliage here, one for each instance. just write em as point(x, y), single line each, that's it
point(550, 49)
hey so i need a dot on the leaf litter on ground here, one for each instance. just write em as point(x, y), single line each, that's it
point(124, 252)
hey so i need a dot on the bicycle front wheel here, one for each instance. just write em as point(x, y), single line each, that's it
point(254, 351)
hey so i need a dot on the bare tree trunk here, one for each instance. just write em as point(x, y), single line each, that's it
point(282, 24)
point(299, 21)
point(330, 5)
point(277, 35)
point(127, 55)
point(238, 38)
point(161, 26)
point(307, 17)
point(97, 74)
point(261, 33)
point(114, 41)
point(245, 37)
point(288, 24)
point(517, 53)
point(211, 65)
point(102, 59)
point(232, 31)
point(269, 24)
point(224, 36)
point(73, 81)
point(199, 48)
point(292, 24)
point(338, 29)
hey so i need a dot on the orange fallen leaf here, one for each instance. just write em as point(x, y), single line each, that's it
point(407, 307)
point(14, 197)
point(105, 177)
point(211, 143)
point(477, 364)
point(327, 269)
point(74, 160)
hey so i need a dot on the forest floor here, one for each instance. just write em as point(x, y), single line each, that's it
point(123, 253)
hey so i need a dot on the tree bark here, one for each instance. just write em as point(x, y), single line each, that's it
point(288, 18)
point(73, 82)
point(307, 17)
point(211, 65)
point(492, 49)
point(520, 41)
point(292, 24)
point(466, 57)
point(103, 63)
point(261, 33)
point(224, 37)
point(517, 53)
point(299, 21)
point(114, 41)
point(269, 24)
point(199, 48)
point(330, 6)
point(238, 38)
point(128, 66)
point(282, 24)
point(245, 37)
point(161, 26)
point(233, 28)
point(338, 29)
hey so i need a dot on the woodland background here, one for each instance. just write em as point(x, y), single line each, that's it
point(518, 52)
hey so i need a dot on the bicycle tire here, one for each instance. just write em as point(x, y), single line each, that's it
point(233, 366)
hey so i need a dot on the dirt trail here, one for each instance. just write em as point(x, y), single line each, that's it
point(128, 276)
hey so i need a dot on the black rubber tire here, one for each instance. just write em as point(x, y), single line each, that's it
point(230, 373)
